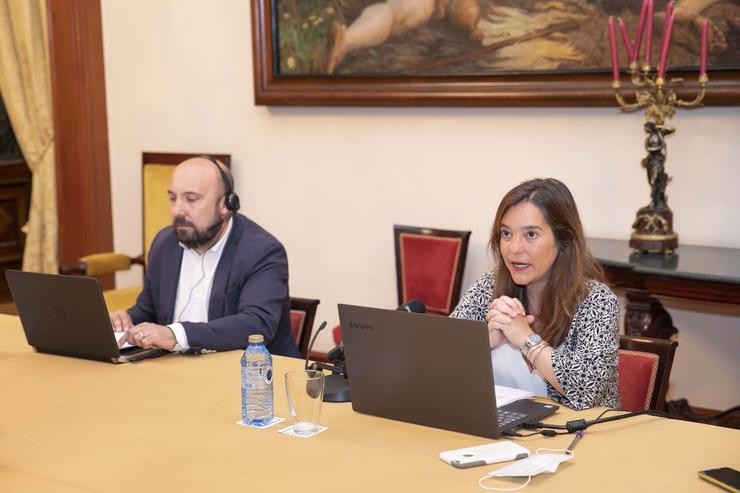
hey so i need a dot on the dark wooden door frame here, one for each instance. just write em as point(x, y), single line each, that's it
point(81, 129)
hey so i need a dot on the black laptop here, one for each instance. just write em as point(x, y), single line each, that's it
point(66, 315)
point(429, 370)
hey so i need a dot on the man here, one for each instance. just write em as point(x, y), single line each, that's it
point(214, 277)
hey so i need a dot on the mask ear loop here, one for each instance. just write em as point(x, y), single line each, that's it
point(541, 451)
point(480, 483)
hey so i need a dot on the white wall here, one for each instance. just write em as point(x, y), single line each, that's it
point(331, 182)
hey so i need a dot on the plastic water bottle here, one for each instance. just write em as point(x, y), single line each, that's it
point(257, 399)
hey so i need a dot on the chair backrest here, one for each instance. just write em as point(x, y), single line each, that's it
point(430, 265)
point(302, 314)
point(157, 168)
point(644, 370)
point(336, 335)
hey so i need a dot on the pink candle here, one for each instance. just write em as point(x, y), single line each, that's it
point(649, 32)
point(667, 31)
point(668, 12)
point(640, 28)
point(626, 40)
point(613, 49)
point(704, 45)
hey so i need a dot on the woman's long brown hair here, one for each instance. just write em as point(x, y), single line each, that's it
point(574, 264)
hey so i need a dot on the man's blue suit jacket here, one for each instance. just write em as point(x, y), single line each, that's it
point(249, 293)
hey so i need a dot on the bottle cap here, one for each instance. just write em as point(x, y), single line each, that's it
point(256, 339)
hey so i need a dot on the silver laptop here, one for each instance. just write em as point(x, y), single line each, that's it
point(429, 370)
point(66, 315)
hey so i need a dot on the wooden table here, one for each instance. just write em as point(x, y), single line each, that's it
point(696, 273)
point(169, 424)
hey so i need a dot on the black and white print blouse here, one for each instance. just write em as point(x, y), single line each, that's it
point(585, 363)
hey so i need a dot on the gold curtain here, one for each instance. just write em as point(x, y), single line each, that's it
point(25, 84)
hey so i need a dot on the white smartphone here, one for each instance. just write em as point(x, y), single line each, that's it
point(501, 451)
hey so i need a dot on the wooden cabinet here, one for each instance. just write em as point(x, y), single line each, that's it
point(15, 197)
point(699, 273)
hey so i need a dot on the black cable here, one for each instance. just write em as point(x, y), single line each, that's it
point(546, 433)
point(610, 410)
point(581, 424)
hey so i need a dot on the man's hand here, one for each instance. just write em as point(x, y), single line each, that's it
point(121, 320)
point(148, 335)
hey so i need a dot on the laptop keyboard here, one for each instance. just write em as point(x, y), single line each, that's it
point(134, 353)
point(506, 418)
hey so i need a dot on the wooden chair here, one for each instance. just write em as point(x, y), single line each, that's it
point(156, 171)
point(302, 314)
point(644, 370)
point(430, 265)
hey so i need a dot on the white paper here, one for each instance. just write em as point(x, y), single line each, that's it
point(118, 338)
point(507, 395)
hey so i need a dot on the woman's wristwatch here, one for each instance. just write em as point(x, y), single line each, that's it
point(531, 341)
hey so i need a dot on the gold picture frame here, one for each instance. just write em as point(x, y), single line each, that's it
point(552, 89)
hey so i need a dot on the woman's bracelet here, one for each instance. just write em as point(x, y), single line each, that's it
point(539, 348)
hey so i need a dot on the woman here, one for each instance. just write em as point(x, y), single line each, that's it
point(553, 326)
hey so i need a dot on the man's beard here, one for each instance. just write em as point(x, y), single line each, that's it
point(191, 236)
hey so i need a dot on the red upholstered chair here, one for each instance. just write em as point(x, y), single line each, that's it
point(302, 314)
point(644, 370)
point(336, 334)
point(430, 265)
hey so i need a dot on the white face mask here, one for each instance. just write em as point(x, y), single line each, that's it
point(533, 465)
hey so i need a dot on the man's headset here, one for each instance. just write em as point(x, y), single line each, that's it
point(231, 199)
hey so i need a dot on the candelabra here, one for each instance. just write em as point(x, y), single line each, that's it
point(652, 230)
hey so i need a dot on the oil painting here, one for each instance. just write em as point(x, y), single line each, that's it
point(525, 44)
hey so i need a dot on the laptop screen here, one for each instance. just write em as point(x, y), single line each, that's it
point(67, 315)
point(419, 368)
point(427, 369)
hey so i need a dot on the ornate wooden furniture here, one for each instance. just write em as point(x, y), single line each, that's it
point(15, 200)
point(644, 370)
point(694, 272)
point(430, 265)
point(15, 197)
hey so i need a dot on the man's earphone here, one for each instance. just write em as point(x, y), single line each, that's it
point(231, 199)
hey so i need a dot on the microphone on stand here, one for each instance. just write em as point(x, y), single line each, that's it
point(412, 306)
point(310, 344)
point(336, 353)
point(336, 388)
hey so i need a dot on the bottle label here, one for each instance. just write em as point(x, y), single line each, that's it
point(259, 377)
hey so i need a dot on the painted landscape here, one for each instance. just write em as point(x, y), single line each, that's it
point(349, 38)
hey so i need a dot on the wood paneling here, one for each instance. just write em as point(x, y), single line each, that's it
point(81, 130)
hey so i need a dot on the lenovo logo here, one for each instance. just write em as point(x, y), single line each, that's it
point(356, 325)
